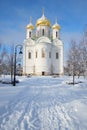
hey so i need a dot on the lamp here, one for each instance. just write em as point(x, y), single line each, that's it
point(20, 52)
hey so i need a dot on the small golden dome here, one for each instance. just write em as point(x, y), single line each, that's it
point(56, 26)
point(30, 26)
point(43, 21)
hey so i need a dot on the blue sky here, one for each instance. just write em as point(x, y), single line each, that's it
point(15, 14)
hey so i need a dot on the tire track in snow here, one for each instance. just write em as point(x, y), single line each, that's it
point(27, 111)
point(19, 113)
point(55, 115)
point(55, 118)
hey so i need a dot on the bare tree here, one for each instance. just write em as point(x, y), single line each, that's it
point(82, 48)
point(73, 60)
point(0, 58)
point(84, 51)
point(77, 58)
point(5, 61)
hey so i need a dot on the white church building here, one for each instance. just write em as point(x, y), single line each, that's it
point(43, 49)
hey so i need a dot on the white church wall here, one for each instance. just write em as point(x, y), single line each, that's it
point(43, 64)
point(57, 63)
point(61, 61)
point(29, 62)
point(47, 65)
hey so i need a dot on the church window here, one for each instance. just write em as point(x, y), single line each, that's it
point(36, 54)
point(49, 33)
point(29, 55)
point(29, 34)
point(57, 55)
point(49, 54)
point(56, 34)
point(43, 32)
point(43, 54)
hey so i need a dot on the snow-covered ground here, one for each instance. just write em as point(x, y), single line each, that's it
point(43, 103)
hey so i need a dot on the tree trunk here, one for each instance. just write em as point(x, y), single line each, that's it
point(73, 78)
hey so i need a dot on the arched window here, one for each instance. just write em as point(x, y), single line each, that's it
point(56, 34)
point(49, 54)
point(29, 55)
point(43, 53)
point(57, 55)
point(36, 54)
point(43, 32)
point(29, 34)
point(49, 33)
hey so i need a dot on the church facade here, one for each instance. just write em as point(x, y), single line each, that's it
point(43, 49)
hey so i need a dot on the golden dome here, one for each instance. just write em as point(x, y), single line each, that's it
point(56, 26)
point(43, 21)
point(30, 26)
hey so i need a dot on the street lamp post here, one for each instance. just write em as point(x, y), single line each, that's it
point(15, 54)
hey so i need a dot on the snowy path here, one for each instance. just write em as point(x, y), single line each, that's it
point(46, 104)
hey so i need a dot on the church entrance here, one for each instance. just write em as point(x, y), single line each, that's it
point(43, 73)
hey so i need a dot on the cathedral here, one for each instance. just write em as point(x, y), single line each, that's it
point(43, 49)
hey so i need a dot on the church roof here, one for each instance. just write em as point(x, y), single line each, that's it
point(30, 25)
point(43, 21)
point(56, 26)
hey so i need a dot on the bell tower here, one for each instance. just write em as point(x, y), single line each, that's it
point(30, 29)
point(56, 30)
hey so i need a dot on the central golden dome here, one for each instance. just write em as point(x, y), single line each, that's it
point(43, 21)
